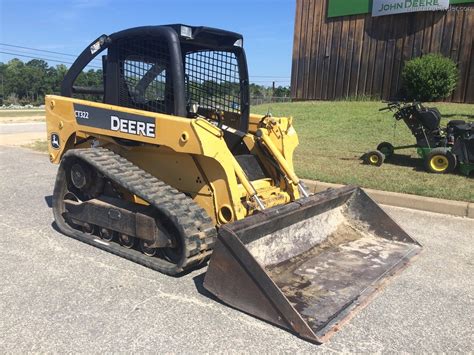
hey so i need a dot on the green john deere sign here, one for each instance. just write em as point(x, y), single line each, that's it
point(348, 7)
point(354, 7)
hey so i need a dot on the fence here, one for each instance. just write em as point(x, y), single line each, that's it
point(266, 100)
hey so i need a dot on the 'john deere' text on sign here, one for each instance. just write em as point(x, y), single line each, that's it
point(390, 7)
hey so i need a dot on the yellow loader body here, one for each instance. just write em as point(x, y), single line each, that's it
point(193, 151)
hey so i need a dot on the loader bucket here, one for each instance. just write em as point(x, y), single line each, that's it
point(309, 265)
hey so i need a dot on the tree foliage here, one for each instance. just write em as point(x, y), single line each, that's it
point(28, 83)
point(260, 91)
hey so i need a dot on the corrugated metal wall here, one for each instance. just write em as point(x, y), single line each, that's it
point(363, 55)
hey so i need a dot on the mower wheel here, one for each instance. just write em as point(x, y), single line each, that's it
point(386, 148)
point(440, 161)
point(374, 157)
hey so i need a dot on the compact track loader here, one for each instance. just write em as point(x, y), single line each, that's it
point(164, 164)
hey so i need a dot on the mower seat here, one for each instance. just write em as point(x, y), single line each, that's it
point(453, 123)
point(459, 127)
point(429, 117)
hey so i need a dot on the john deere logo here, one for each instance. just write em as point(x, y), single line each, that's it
point(390, 7)
point(55, 141)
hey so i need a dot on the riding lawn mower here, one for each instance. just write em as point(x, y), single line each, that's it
point(442, 149)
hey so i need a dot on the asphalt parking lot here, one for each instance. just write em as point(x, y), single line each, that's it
point(60, 295)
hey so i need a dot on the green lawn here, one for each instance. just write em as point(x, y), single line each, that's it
point(38, 145)
point(333, 136)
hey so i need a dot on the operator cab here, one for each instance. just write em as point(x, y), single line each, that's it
point(172, 69)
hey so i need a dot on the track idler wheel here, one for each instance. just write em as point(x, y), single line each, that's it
point(147, 249)
point(84, 180)
point(88, 228)
point(126, 241)
point(80, 176)
point(107, 234)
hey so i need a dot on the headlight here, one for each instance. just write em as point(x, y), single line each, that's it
point(186, 32)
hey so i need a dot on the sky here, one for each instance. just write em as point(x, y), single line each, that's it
point(69, 26)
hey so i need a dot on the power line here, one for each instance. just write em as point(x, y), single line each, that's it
point(33, 55)
point(270, 76)
point(28, 56)
point(36, 49)
point(41, 50)
point(269, 81)
point(46, 59)
point(94, 66)
point(73, 55)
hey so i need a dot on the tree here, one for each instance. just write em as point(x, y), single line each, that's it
point(282, 91)
point(3, 68)
point(35, 73)
point(256, 91)
point(29, 83)
point(15, 79)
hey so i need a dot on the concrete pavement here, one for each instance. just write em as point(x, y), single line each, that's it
point(20, 133)
point(22, 127)
point(60, 295)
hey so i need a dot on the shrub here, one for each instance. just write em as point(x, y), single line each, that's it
point(12, 99)
point(429, 78)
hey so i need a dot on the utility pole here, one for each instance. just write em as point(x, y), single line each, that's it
point(273, 90)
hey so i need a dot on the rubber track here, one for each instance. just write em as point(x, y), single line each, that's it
point(198, 229)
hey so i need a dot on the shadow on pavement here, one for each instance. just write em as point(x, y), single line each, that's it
point(49, 200)
point(199, 283)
